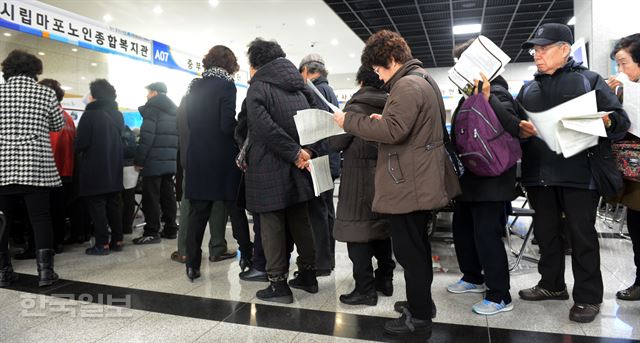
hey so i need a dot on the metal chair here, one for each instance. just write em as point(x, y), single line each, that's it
point(518, 212)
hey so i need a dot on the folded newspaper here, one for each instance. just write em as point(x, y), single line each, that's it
point(314, 125)
point(481, 56)
point(572, 126)
point(321, 174)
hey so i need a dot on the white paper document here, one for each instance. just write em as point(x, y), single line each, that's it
point(481, 56)
point(129, 177)
point(313, 87)
point(631, 104)
point(572, 126)
point(314, 125)
point(321, 174)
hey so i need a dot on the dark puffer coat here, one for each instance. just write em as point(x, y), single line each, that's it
point(355, 221)
point(277, 91)
point(158, 145)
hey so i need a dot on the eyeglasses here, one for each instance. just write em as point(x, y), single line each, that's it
point(541, 50)
point(377, 70)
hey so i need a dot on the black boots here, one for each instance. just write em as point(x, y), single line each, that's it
point(7, 276)
point(305, 280)
point(44, 258)
point(278, 291)
point(357, 298)
point(408, 325)
point(193, 273)
point(384, 286)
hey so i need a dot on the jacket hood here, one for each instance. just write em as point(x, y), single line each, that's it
point(162, 103)
point(408, 67)
point(370, 96)
point(500, 81)
point(282, 73)
point(570, 65)
point(320, 79)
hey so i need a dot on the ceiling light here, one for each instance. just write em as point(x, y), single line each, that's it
point(352, 55)
point(334, 42)
point(158, 10)
point(41, 53)
point(107, 17)
point(66, 88)
point(94, 64)
point(7, 34)
point(348, 79)
point(82, 78)
point(465, 29)
point(572, 21)
point(74, 49)
point(311, 21)
point(214, 3)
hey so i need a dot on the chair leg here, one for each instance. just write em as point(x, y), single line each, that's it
point(520, 254)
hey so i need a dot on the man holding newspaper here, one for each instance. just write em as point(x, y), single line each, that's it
point(572, 118)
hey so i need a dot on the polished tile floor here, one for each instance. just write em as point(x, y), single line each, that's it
point(154, 301)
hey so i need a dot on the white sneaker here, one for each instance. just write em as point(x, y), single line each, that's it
point(465, 287)
point(489, 308)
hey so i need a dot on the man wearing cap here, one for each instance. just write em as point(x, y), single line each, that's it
point(321, 209)
point(156, 156)
point(564, 187)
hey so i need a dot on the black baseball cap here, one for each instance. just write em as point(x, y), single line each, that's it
point(549, 33)
point(159, 87)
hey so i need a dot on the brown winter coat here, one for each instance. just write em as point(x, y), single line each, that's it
point(355, 222)
point(410, 172)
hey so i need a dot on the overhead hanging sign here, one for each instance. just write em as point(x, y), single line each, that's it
point(168, 57)
point(40, 19)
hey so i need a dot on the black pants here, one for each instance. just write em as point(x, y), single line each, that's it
point(478, 228)
point(360, 255)
point(199, 213)
point(106, 214)
point(38, 208)
point(259, 260)
point(633, 225)
point(412, 249)
point(323, 233)
point(128, 198)
point(579, 207)
point(274, 239)
point(158, 193)
point(61, 209)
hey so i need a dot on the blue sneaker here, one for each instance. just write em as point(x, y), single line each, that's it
point(489, 308)
point(465, 287)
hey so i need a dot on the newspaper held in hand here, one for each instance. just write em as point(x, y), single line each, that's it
point(481, 56)
point(321, 174)
point(631, 103)
point(572, 126)
point(314, 125)
point(313, 87)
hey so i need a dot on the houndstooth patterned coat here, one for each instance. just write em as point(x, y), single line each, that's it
point(28, 112)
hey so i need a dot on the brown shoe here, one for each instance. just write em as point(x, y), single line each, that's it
point(631, 293)
point(223, 256)
point(584, 313)
point(537, 293)
point(176, 257)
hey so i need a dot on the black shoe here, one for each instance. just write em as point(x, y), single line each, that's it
point(28, 254)
point(407, 325)
point(357, 298)
point(584, 313)
point(537, 293)
point(193, 273)
point(385, 286)
point(44, 258)
point(147, 240)
point(631, 293)
point(223, 256)
point(97, 250)
point(254, 275)
point(305, 280)
point(59, 249)
point(323, 272)
point(116, 246)
point(245, 263)
point(7, 276)
point(399, 305)
point(278, 292)
point(168, 234)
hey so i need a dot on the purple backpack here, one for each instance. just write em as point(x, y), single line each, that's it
point(483, 146)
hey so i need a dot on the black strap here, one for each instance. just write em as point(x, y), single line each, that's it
point(443, 113)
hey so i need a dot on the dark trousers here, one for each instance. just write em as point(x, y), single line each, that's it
point(61, 209)
point(412, 249)
point(323, 233)
point(158, 193)
point(360, 255)
point(633, 225)
point(259, 260)
point(274, 239)
point(38, 209)
point(478, 228)
point(579, 207)
point(240, 228)
point(128, 197)
point(106, 214)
